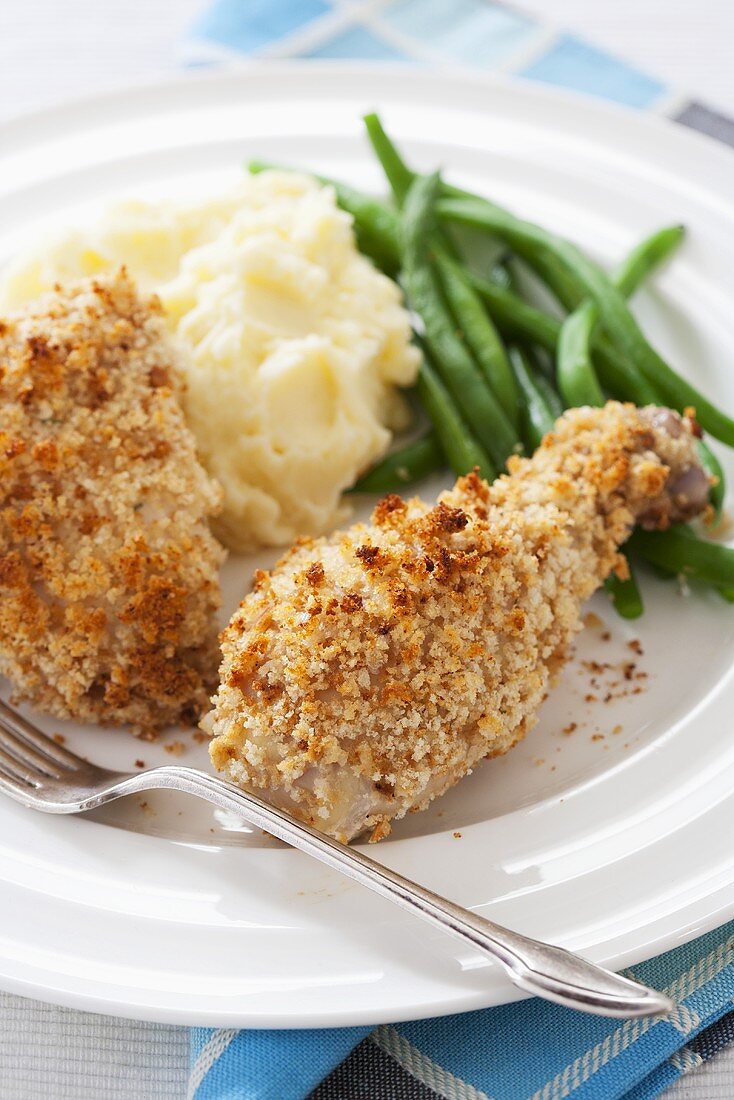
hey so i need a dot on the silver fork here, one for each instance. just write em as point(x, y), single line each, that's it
point(43, 775)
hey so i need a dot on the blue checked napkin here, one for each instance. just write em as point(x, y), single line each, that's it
point(527, 1051)
point(531, 1050)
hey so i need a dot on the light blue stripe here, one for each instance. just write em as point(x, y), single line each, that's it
point(246, 25)
point(357, 42)
point(573, 64)
point(275, 1065)
point(471, 31)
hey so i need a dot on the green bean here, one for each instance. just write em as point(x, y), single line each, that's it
point(566, 285)
point(462, 450)
point(625, 595)
point(399, 175)
point(577, 379)
point(541, 383)
point(640, 262)
point(403, 467)
point(537, 419)
point(621, 327)
point(619, 377)
point(631, 273)
point(660, 572)
point(627, 278)
point(501, 275)
point(514, 317)
point(562, 282)
point(648, 255)
point(615, 372)
point(518, 320)
point(679, 550)
point(576, 375)
point(540, 406)
point(479, 333)
point(462, 377)
point(375, 223)
point(712, 466)
point(550, 394)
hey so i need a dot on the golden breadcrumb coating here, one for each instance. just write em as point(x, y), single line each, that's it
point(371, 670)
point(108, 572)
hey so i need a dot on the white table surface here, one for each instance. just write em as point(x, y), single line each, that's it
point(51, 49)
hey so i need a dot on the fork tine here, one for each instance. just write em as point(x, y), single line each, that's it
point(16, 773)
point(21, 730)
point(26, 756)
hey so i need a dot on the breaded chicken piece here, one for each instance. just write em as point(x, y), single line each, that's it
point(108, 572)
point(372, 670)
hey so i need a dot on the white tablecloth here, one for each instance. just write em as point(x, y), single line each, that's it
point(59, 48)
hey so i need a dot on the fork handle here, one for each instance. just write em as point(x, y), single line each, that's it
point(538, 968)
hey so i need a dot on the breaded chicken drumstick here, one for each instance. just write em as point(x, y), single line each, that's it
point(108, 572)
point(371, 670)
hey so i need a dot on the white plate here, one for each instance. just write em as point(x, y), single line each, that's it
point(615, 844)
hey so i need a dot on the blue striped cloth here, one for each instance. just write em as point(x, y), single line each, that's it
point(531, 1050)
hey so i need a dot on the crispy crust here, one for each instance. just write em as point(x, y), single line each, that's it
point(108, 572)
point(371, 670)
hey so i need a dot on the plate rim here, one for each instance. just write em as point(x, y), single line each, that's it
point(232, 72)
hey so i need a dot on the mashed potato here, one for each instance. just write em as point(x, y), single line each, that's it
point(296, 343)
